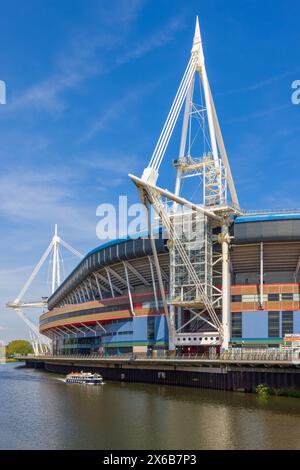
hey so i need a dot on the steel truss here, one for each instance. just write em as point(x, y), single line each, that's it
point(194, 265)
point(42, 344)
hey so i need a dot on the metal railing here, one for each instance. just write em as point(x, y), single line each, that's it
point(271, 211)
point(234, 355)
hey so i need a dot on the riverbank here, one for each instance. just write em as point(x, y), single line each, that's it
point(241, 376)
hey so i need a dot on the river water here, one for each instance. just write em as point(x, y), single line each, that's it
point(40, 411)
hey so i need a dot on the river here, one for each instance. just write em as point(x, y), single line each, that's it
point(39, 411)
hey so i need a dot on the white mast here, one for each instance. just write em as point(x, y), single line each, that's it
point(192, 284)
point(196, 65)
point(19, 304)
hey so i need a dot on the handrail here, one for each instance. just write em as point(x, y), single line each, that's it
point(271, 211)
point(235, 355)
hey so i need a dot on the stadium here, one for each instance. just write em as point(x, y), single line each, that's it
point(234, 284)
point(111, 302)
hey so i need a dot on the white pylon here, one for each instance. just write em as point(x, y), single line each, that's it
point(192, 284)
point(41, 343)
point(55, 262)
point(195, 65)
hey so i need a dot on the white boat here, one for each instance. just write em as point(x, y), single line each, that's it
point(84, 378)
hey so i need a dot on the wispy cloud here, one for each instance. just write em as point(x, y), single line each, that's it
point(117, 109)
point(113, 161)
point(43, 197)
point(258, 85)
point(112, 166)
point(86, 57)
point(158, 39)
point(81, 59)
point(259, 114)
point(74, 66)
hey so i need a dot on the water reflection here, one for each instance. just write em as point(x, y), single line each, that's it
point(41, 411)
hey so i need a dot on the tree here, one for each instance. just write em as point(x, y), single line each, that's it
point(18, 346)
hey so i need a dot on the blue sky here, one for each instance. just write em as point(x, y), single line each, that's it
point(89, 85)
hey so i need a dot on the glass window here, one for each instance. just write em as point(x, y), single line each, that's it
point(273, 325)
point(287, 322)
point(151, 328)
point(287, 296)
point(273, 297)
point(236, 324)
point(236, 298)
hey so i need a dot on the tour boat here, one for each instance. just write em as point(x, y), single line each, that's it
point(84, 378)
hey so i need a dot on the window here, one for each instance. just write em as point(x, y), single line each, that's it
point(287, 321)
point(250, 298)
point(236, 298)
point(287, 296)
point(236, 324)
point(150, 328)
point(273, 325)
point(273, 297)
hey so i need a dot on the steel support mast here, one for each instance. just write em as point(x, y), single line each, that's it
point(41, 343)
point(199, 240)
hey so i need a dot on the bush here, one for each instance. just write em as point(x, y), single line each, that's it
point(287, 392)
point(263, 390)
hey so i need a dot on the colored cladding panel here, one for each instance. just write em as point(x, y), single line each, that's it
point(256, 341)
point(255, 324)
point(119, 331)
point(139, 328)
point(297, 321)
point(161, 330)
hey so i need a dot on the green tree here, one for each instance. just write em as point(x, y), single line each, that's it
point(18, 346)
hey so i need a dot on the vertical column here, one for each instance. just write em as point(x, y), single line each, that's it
point(54, 268)
point(226, 288)
point(261, 275)
point(172, 329)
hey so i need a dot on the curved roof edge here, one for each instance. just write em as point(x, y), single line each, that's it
point(266, 217)
point(82, 268)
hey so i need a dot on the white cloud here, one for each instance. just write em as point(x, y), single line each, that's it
point(259, 114)
point(158, 39)
point(119, 164)
point(86, 57)
point(117, 109)
point(257, 85)
point(78, 61)
point(44, 198)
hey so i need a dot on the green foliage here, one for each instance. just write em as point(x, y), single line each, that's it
point(18, 346)
point(263, 390)
point(287, 392)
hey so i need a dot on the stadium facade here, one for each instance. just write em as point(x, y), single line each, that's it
point(215, 277)
point(111, 302)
